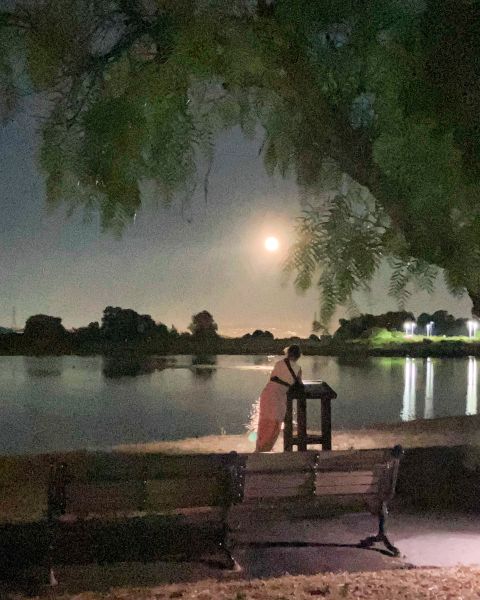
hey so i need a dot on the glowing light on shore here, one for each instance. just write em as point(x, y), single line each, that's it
point(472, 328)
point(409, 327)
point(430, 328)
point(272, 244)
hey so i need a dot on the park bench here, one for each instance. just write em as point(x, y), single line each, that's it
point(325, 481)
point(112, 507)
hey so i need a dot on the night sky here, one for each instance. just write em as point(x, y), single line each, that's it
point(167, 264)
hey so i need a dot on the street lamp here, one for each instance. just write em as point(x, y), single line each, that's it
point(430, 328)
point(409, 327)
point(472, 328)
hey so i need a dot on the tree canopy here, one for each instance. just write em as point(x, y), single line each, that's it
point(203, 325)
point(374, 108)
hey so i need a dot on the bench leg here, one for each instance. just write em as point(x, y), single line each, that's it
point(52, 579)
point(225, 548)
point(51, 544)
point(381, 535)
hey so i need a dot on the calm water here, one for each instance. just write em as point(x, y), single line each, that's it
point(58, 403)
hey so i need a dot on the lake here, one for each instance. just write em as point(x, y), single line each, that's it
point(72, 402)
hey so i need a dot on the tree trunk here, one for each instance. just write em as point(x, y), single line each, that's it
point(475, 298)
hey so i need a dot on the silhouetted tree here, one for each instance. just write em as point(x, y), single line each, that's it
point(124, 324)
point(44, 328)
point(354, 328)
point(88, 334)
point(443, 323)
point(203, 325)
point(161, 330)
point(258, 333)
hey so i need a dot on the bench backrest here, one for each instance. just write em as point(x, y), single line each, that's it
point(110, 483)
point(282, 475)
point(99, 484)
point(364, 473)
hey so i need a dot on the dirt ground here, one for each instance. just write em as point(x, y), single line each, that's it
point(438, 584)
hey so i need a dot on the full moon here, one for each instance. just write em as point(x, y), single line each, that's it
point(272, 244)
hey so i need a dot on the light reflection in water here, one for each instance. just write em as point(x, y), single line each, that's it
point(472, 386)
point(409, 392)
point(429, 378)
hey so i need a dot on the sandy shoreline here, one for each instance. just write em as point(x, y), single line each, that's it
point(449, 431)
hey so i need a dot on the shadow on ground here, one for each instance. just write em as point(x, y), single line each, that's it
point(266, 549)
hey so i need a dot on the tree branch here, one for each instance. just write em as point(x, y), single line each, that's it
point(9, 19)
point(94, 67)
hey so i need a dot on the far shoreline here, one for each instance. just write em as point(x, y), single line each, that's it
point(424, 348)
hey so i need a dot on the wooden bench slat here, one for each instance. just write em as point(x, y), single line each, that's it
point(347, 484)
point(295, 487)
point(183, 493)
point(103, 497)
point(276, 493)
point(353, 468)
point(279, 484)
point(116, 466)
point(379, 453)
point(289, 461)
point(345, 477)
point(277, 479)
point(299, 491)
point(355, 459)
point(346, 490)
point(275, 483)
point(194, 466)
point(102, 466)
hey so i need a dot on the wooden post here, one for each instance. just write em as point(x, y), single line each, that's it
point(288, 427)
point(326, 424)
point(302, 423)
point(313, 390)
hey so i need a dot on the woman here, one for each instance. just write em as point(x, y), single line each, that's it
point(273, 399)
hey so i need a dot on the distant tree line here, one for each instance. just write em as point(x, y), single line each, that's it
point(258, 333)
point(121, 329)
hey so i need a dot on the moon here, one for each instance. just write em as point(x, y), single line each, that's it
point(272, 244)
